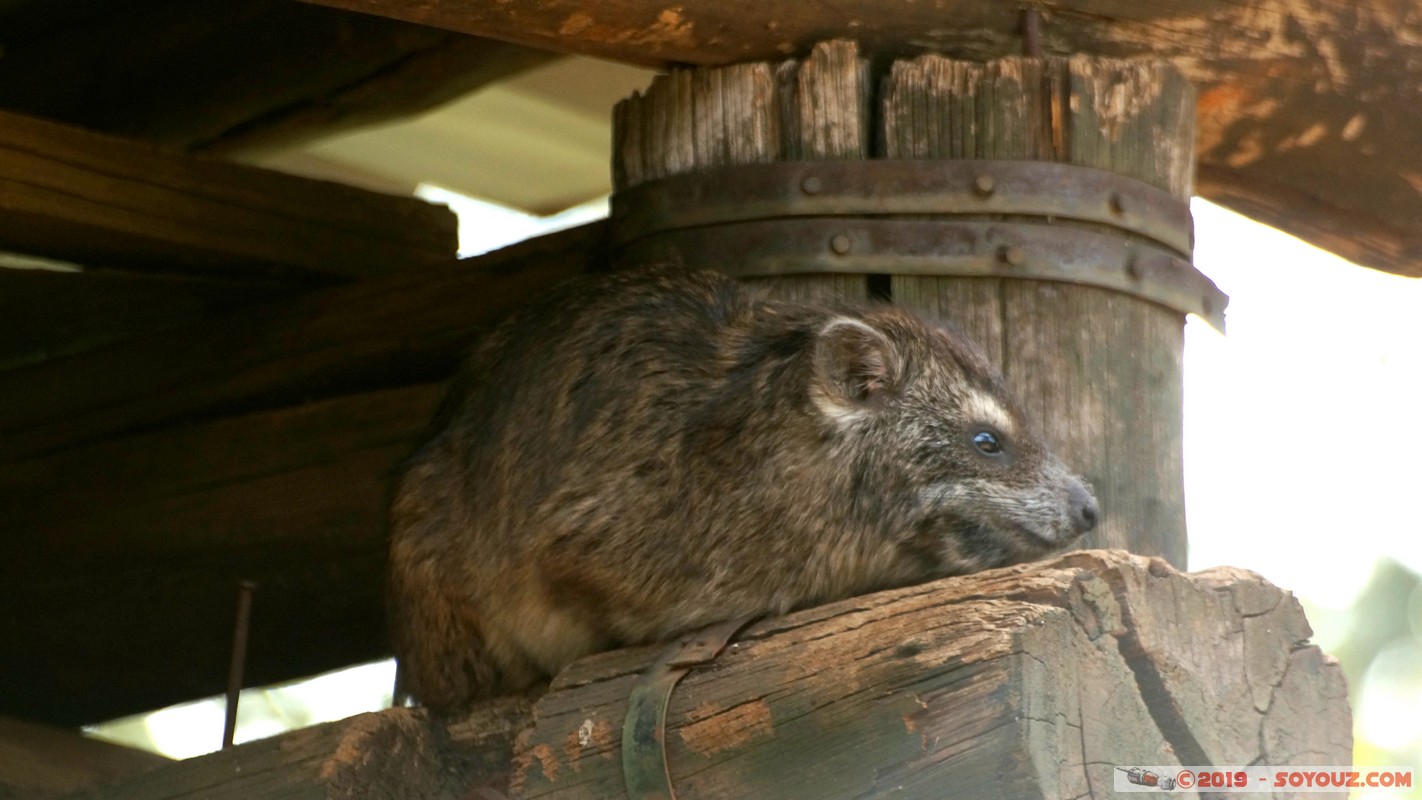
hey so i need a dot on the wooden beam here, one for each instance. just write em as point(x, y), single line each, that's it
point(1030, 681)
point(74, 195)
point(368, 335)
point(56, 314)
point(40, 762)
point(395, 753)
point(415, 84)
point(127, 555)
point(1305, 117)
point(215, 76)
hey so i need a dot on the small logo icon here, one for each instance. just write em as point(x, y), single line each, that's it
point(1142, 777)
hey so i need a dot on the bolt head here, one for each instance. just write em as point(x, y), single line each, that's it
point(840, 243)
point(811, 184)
point(1013, 255)
point(984, 185)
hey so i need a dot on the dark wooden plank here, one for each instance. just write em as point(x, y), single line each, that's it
point(70, 194)
point(204, 74)
point(38, 762)
point(413, 84)
point(154, 529)
point(1305, 117)
point(55, 314)
point(369, 335)
point(127, 554)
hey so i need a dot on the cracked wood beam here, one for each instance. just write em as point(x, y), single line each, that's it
point(104, 307)
point(236, 77)
point(1029, 681)
point(1308, 109)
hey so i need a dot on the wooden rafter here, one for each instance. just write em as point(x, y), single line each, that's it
point(1308, 112)
point(71, 194)
point(224, 77)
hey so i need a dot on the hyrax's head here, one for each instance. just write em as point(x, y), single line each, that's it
point(928, 427)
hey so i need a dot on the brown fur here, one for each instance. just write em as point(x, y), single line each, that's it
point(637, 455)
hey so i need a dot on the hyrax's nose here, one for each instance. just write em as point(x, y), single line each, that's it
point(1084, 511)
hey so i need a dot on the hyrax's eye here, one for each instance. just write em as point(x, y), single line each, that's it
point(987, 443)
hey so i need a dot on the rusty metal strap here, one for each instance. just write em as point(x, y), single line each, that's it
point(644, 755)
point(891, 187)
point(963, 248)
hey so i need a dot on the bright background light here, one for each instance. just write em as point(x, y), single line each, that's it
point(1303, 457)
point(1302, 427)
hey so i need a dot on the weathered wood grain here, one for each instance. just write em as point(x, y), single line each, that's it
point(372, 334)
point(70, 194)
point(56, 314)
point(1031, 681)
point(693, 120)
point(1307, 117)
point(1098, 370)
point(217, 76)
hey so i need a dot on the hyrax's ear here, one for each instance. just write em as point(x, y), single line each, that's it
point(854, 363)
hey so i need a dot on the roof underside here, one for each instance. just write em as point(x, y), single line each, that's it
point(1309, 110)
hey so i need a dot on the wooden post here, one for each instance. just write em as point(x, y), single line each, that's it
point(691, 120)
point(1098, 368)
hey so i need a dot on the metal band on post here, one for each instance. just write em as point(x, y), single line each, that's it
point(644, 754)
point(1008, 219)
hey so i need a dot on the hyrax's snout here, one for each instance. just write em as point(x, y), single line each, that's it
point(1084, 511)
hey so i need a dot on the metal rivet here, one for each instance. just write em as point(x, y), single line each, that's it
point(1012, 255)
point(984, 185)
point(811, 185)
point(1118, 206)
point(840, 243)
